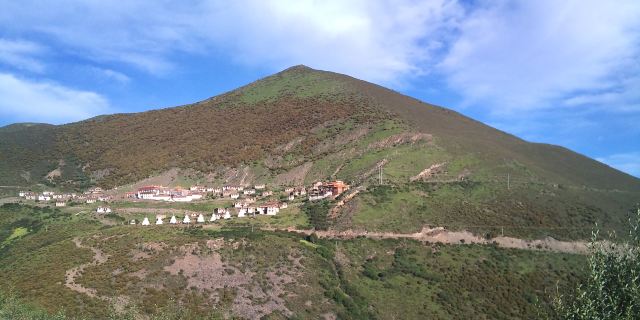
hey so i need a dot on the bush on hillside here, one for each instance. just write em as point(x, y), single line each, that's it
point(612, 289)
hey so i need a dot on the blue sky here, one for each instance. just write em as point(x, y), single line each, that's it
point(560, 72)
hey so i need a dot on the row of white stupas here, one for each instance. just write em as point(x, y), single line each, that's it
point(223, 214)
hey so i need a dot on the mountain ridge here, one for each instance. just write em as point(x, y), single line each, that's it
point(455, 130)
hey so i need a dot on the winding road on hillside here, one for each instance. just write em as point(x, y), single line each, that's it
point(441, 235)
point(99, 257)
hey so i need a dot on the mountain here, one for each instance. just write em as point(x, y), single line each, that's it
point(302, 125)
point(410, 165)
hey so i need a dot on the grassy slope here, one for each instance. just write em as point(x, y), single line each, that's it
point(230, 129)
point(462, 135)
point(354, 279)
point(532, 211)
point(324, 125)
point(26, 147)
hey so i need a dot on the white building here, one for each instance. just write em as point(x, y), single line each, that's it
point(159, 197)
point(147, 192)
point(91, 200)
point(43, 197)
point(235, 196)
point(259, 186)
point(272, 210)
point(242, 212)
point(249, 191)
point(103, 210)
point(61, 204)
point(145, 222)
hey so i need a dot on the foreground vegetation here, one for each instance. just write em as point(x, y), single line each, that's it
point(490, 209)
point(612, 288)
point(236, 271)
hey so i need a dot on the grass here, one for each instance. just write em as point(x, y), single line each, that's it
point(17, 233)
point(529, 211)
point(324, 113)
point(317, 214)
point(201, 206)
point(299, 83)
point(352, 279)
point(443, 282)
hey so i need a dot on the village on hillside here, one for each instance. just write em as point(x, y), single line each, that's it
point(248, 201)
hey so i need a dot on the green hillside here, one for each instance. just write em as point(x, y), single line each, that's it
point(191, 273)
point(302, 125)
point(409, 164)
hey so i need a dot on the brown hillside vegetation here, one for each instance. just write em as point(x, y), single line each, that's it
point(303, 125)
point(246, 125)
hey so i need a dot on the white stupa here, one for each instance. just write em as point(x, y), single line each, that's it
point(145, 222)
point(214, 217)
point(241, 212)
point(186, 219)
point(227, 215)
point(159, 220)
point(200, 218)
point(173, 220)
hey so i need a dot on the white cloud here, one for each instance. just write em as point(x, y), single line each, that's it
point(379, 41)
point(19, 54)
point(627, 162)
point(111, 75)
point(502, 56)
point(26, 100)
point(533, 54)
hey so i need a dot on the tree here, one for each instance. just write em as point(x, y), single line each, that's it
point(612, 288)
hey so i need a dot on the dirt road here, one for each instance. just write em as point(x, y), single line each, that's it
point(441, 235)
point(70, 276)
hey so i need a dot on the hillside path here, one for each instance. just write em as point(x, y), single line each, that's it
point(441, 235)
point(99, 257)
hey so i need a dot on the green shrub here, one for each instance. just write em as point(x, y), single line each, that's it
point(612, 289)
point(317, 213)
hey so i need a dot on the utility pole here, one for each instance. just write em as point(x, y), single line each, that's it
point(380, 175)
point(508, 181)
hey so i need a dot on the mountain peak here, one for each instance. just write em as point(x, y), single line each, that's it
point(297, 68)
